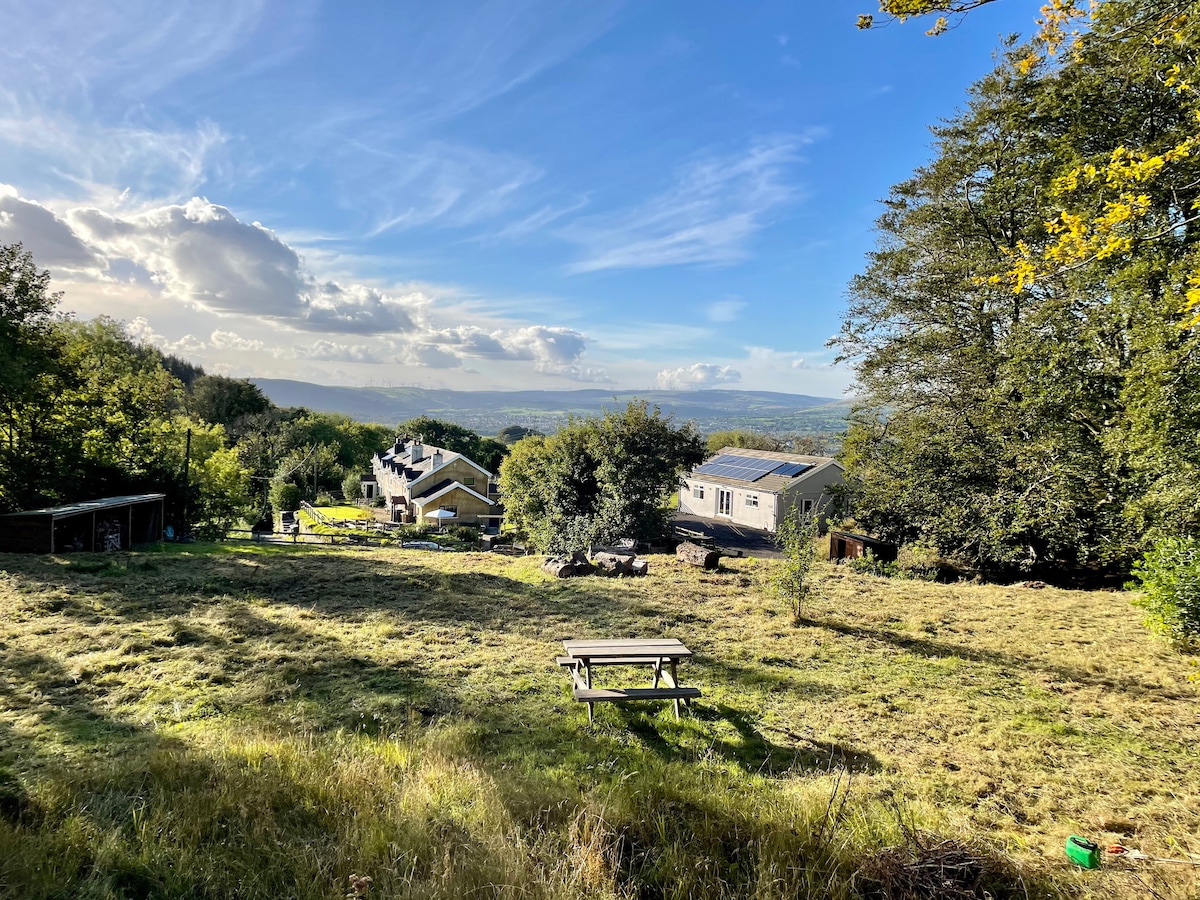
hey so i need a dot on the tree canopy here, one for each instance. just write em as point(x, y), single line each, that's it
point(598, 479)
point(1026, 405)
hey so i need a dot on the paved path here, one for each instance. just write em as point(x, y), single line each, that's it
point(728, 536)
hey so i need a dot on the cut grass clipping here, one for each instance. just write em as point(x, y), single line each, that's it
point(263, 723)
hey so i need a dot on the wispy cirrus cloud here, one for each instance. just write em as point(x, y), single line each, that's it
point(708, 216)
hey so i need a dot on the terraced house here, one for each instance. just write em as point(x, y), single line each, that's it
point(421, 483)
point(755, 488)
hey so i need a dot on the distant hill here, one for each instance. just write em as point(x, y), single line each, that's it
point(488, 411)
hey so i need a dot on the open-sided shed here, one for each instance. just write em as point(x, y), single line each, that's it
point(92, 526)
point(844, 545)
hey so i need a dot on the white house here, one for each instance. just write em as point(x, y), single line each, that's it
point(755, 487)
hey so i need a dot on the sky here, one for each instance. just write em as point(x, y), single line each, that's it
point(553, 194)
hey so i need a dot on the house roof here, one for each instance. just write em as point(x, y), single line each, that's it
point(444, 487)
point(87, 506)
point(401, 461)
point(726, 467)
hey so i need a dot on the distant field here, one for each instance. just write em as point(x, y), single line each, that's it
point(265, 722)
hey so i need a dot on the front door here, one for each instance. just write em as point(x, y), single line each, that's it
point(724, 502)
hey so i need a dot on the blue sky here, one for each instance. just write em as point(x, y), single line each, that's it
point(474, 195)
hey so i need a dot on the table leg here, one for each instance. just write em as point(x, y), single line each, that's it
point(587, 674)
point(675, 684)
point(657, 665)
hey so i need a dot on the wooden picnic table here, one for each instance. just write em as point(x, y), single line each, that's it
point(661, 654)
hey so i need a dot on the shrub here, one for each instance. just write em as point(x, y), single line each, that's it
point(285, 495)
point(352, 487)
point(323, 499)
point(919, 561)
point(792, 580)
point(1169, 578)
point(870, 564)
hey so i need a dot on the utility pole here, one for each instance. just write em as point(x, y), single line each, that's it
point(187, 481)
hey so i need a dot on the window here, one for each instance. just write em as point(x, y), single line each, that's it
point(469, 481)
point(752, 500)
point(698, 491)
point(807, 506)
point(450, 509)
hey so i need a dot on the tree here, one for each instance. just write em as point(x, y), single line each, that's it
point(510, 434)
point(1017, 429)
point(598, 479)
point(792, 579)
point(223, 401)
point(352, 487)
point(750, 440)
point(439, 433)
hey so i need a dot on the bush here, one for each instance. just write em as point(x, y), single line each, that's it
point(352, 487)
point(324, 499)
point(285, 495)
point(920, 561)
point(870, 564)
point(1169, 579)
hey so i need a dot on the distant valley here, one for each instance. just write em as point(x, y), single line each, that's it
point(488, 411)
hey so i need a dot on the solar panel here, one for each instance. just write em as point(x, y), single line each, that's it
point(791, 470)
point(744, 468)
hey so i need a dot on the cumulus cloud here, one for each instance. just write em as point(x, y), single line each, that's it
point(201, 253)
point(45, 235)
point(553, 350)
point(428, 356)
point(331, 351)
point(696, 376)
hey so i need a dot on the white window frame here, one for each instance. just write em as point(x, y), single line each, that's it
point(697, 491)
point(469, 481)
point(752, 501)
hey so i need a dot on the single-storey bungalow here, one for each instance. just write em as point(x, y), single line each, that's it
point(416, 479)
point(755, 488)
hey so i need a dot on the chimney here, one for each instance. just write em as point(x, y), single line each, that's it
point(437, 459)
point(418, 451)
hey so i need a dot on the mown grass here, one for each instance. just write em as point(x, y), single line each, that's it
point(267, 721)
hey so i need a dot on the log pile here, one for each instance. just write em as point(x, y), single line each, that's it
point(608, 561)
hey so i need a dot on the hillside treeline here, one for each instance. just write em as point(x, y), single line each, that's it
point(1025, 333)
point(85, 412)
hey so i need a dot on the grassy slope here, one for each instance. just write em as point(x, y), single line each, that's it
point(266, 722)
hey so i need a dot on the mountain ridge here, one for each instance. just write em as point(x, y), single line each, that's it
point(488, 411)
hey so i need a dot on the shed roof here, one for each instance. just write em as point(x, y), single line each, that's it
point(87, 506)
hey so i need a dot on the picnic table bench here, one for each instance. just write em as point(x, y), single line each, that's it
point(661, 654)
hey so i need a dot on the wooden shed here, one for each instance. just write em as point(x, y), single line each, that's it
point(844, 545)
point(92, 526)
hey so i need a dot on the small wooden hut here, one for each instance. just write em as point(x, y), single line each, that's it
point(92, 526)
point(844, 545)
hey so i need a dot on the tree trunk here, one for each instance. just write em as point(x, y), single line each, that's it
point(695, 555)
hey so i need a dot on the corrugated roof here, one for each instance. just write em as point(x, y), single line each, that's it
point(86, 506)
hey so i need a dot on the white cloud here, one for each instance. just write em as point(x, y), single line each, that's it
point(708, 216)
point(724, 310)
point(330, 351)
point(696, 376)
point(202, 254)
point(428, 356)
point(45, 235)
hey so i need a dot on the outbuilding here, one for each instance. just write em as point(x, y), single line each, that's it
point(844, 545)
point(91, 526)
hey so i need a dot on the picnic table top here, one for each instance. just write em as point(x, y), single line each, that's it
point(643, 648)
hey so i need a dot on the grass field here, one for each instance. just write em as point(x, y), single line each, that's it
point(267, 722)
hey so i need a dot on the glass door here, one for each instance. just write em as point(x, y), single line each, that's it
point(724, 502)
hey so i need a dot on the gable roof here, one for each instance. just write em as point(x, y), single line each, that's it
point(445, 487)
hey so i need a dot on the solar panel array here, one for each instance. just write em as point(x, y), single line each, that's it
point(791, 470)
point(749, 468)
